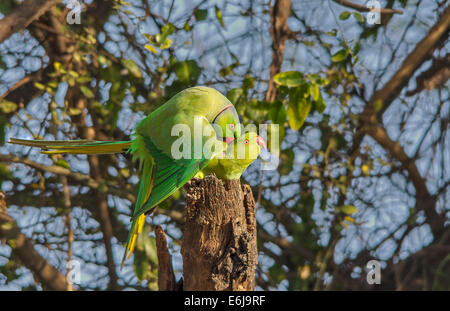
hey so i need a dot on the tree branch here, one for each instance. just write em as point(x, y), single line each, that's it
point(23, 248)
point(78, 177)
point(219, 240)
point(424, 200)
point(279, 14)
point(411, 63)
point(363, 8)
point(166, 277)
point(23, 15)
point(370, 123)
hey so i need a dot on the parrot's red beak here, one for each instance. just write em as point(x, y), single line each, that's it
point(260, 141)
point(229, 140)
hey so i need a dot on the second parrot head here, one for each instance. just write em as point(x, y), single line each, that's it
point(246, 148)
point(227, 124)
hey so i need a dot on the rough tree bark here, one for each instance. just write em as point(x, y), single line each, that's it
point(219, 242)
point(166, 277)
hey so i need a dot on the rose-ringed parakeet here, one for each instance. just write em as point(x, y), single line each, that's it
point(198, 108)
point(238, 156)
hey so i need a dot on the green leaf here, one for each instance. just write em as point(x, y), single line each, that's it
point(249, 82)
point(187, 71)
point(167, 30)
point(277, 113)
point(86, 91)
point(276, 273)
point(165, 44)
point(187, 27)
point(344, 15)
point(84, 79)
point(2, 133)
point(288, 78)
point(319, 104)
point(315, 91)
point(357, 47)
point(332, 33)
point(53, 84)
point(287, 162)
point(122, 2)
point(235, 95)
point(298, 109)
point(151, 48)
point(219, 16)
point(359, 17)
point(62, 163)
point(132, 67)
point(4, 168)
point(141, 265)
point(75, 111)
point(339, 56)
point(74, 74)
point(58, 67)
point(7, 106)
point(200, 14)
point(348, 209)
point(147, 244)
point(226, 71)
point(39, 86)
point(150, 249)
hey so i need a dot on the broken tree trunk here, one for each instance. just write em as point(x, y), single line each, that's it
point(219, 241)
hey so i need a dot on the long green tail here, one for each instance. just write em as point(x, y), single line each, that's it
point(75, 146)
point(105, 147)
point(146, 166)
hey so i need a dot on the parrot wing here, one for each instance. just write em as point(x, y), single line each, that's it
point(169, 176)
point(161, 177)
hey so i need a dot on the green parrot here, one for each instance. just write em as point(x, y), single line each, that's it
point(238, 156)
point(195, 109)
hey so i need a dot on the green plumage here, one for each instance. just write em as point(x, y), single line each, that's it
point(153, 138)
point(238, 157)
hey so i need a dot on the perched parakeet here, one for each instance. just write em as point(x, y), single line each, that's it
point(210, 119)
point(238, 156)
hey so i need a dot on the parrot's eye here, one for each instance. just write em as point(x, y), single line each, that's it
point(246, 142)
point(232, 126)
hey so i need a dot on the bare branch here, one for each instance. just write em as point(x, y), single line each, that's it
point(424, 200)
point(279, 14)
point(166, 277)
point(59, 170)
point(21, 246)
point(23, 15)
point(411, 63)
point(363, 8)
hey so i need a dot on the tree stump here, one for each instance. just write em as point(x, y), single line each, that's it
point(219, 242)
